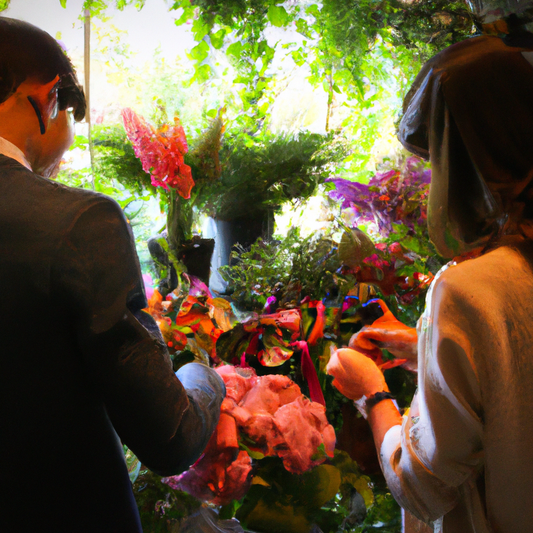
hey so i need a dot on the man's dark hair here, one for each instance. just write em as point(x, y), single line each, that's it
point(29, 53)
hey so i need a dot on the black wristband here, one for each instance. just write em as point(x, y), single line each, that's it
point(376, 398)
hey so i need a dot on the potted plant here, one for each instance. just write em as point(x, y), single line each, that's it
point(259, 175)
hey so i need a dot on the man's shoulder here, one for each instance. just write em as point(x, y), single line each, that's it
point(38, 190)
point(53, 205)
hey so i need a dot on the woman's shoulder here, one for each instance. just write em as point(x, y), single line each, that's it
point(497, 270)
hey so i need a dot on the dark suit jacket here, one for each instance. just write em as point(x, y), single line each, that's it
point(77, 367)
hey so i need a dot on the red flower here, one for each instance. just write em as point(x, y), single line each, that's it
point(223, 473)
point(161, 152)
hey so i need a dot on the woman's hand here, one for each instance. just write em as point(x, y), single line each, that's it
point(387, 333)
point(355, 375)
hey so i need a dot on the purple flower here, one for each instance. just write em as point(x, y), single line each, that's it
point(392, 197)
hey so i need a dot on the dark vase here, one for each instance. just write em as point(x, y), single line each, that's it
point(195, 254)
point(243, 230)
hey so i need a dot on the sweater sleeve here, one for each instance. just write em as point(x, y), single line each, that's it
point(97, 275)
point(429, 460)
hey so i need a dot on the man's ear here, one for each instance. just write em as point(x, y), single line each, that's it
point(44, 102)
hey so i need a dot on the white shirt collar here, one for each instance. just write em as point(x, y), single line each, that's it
point(10, 150)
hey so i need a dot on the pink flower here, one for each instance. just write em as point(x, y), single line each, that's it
point(272, 412)
point(161, 152)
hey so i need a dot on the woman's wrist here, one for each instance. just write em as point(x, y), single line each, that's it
point(365, 403)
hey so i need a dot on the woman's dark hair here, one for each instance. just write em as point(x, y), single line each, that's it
point(29, 53)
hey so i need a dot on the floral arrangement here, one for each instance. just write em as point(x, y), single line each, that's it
point(161, 152)
point(271, 417)
point(165, 157)
point(389, 198)
point(266, 416)
point(392, 208)
point(274, 452)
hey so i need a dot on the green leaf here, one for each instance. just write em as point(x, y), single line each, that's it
point(326, 480)
point(313, 10)
point(180, 3)
point(133, 464)
point(188, 14)
point(62, 2)
point(217, 39)
point(233, 343)
point(302, 27)
point(277, 16)
point(81, 142)
point(263, 108)
point(266, 516)
point(182, 358)
point(202, 73)
point(200, 29)
point(355, 246)
point(200, 51)
point(235, 50)
point(351, 474)
point(253, 454)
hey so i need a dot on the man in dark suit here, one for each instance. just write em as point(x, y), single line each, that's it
point(81, 365)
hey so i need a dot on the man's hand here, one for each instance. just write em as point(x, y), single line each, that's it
point(355, 374)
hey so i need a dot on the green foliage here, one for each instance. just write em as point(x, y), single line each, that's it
point(263, 173)
point(348, 30)
point(362, 53)
point(383, 517)
point(4, 4)
point(281, 502)
point(98, 8)
point(426, 26)
point(238, 26)
point(289, 269)
point(116, 160)
point(160, 507)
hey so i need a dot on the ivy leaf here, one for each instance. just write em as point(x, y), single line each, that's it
point(199, 29)
point(277, 16)
point(235, 50)
point(200, 51)
point(217, 39)
point(355, 246)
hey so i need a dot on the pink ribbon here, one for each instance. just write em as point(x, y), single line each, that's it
point(309, 372)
